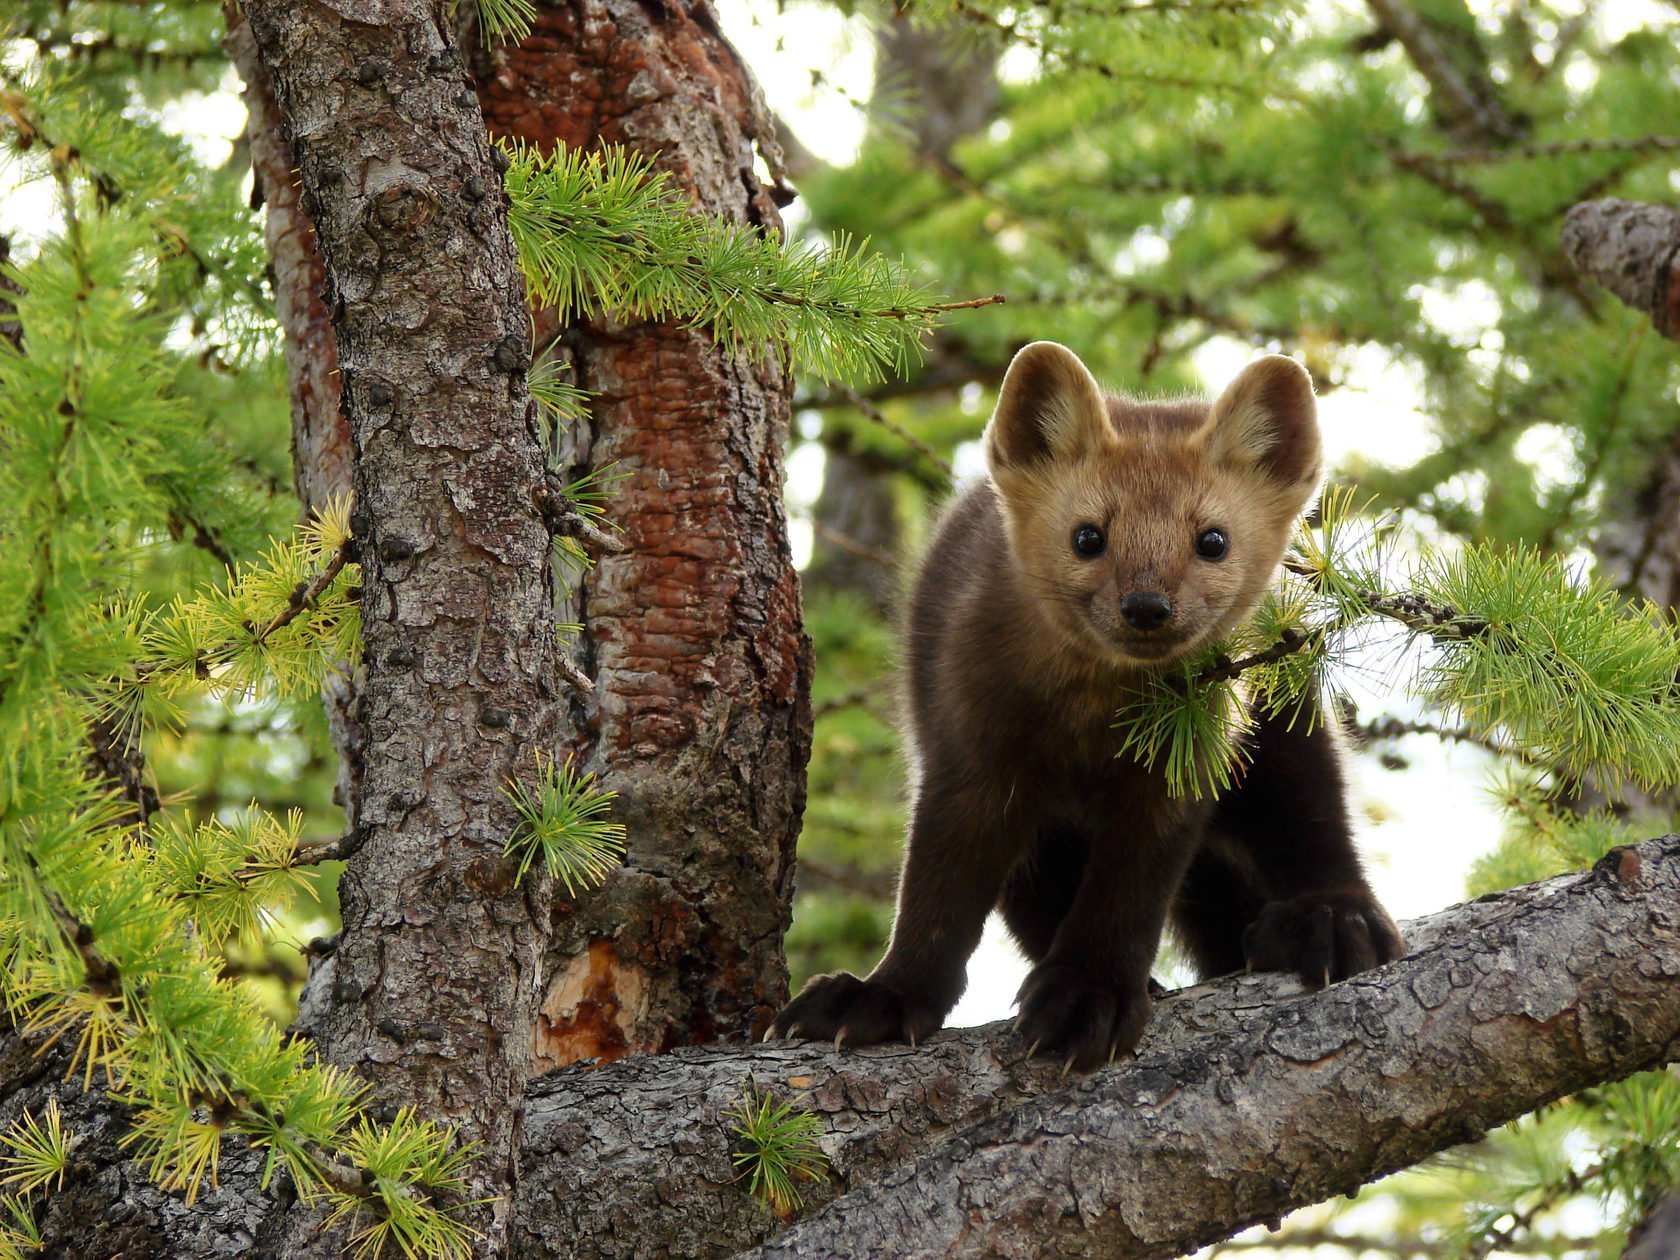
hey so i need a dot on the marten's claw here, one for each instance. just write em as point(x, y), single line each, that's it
point(852, 1013)
point(1322, 937)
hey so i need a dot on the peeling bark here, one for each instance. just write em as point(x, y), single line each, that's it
point(1247, 1098)
point(694, 636)
point(436, 974)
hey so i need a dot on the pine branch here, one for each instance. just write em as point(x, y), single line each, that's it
point(304, 595)
point(1542, 152)
point(1438, 621)
point(1386, 728)
point(1223, 669)
point(605, 229)
point(1471, 107)
point(1505, 1238)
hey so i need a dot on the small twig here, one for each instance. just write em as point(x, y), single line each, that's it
point(851, 545)
point(573, 675)
point(304, 594)
point(876, 416)
point(564, 518)
point(1503, 1239)
point(1289, 642)
point(886, 312)
point(101, 972)
point(1438, 621)
point(336, 850)
point(1384, 728)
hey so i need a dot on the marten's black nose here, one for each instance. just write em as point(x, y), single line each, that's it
point(1146, 610)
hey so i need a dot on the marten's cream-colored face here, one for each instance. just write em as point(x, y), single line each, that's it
point(1147, 530)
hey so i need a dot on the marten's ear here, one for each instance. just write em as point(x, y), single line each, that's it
point(1267, 419)
point(1048, 409)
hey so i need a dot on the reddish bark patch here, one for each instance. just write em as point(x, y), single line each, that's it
point(694, 635)
point(591, 1010)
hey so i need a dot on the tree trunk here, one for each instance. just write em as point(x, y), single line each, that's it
point(437, 972)
point(701, 719)
point(321, 450)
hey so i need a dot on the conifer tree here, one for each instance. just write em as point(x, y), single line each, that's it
point(167, 629)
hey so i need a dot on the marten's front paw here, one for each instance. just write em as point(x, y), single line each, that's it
point(1068, 1014)
point(852, 1012)
point(1322, 937)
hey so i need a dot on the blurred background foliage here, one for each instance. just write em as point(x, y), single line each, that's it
point(1170, 187)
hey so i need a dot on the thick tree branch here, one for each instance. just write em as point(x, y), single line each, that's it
point(1247, 1098)
point(1632, 249)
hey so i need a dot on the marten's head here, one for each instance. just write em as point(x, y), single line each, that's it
point(1147, 529)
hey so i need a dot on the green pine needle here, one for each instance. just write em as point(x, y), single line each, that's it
point(39, 1155)
point(506, 20)
point(778, 1149)
point(20, 1235)
point(562, 818)
point(411, 1163)
point(1189, 727)
point(604, 229)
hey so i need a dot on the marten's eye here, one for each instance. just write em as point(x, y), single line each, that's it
point(1213, 544)
point(1088, 541)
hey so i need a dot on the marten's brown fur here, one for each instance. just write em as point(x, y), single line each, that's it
point(1089, 558)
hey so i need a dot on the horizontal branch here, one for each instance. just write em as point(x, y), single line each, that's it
point(1632, 249)
point(1247, 1098)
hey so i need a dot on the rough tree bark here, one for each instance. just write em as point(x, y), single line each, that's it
point(701, 719)
point(437, 971)
point(1248, 1097)
point(321, 448)
point(1632, 249)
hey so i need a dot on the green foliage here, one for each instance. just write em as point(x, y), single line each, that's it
point(604, 229)
point(39, 1153)
point(412, 1162)
point(563, 819)
point(1565, 670)
point(778, 1148)
point(20, 1236)
point(505, 20)
point(1556, 671)
point(230, 875)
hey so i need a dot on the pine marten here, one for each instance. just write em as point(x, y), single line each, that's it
point(1114, 537)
